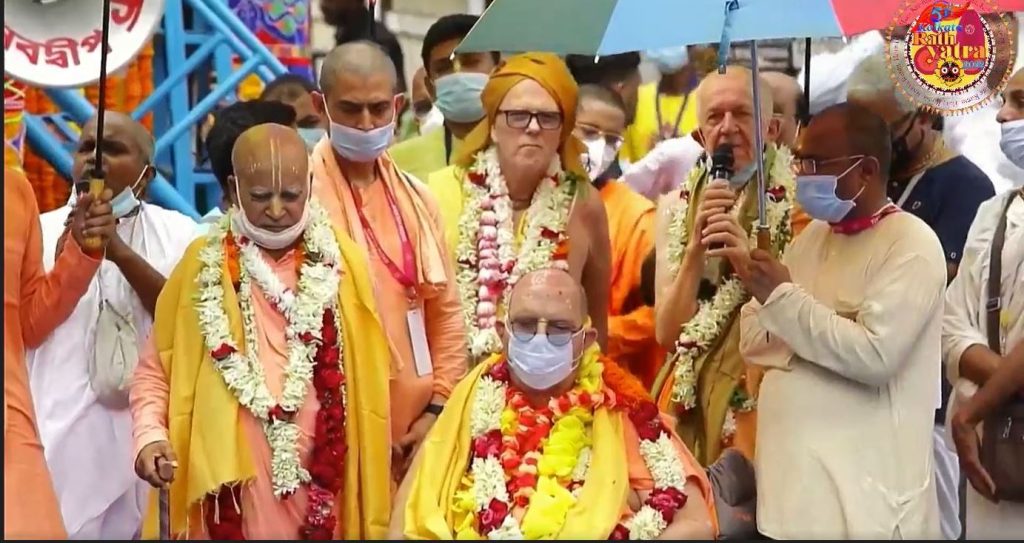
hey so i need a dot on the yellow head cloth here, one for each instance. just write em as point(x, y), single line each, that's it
point(550, 72)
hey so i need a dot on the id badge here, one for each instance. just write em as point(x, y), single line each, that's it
point(418, 337)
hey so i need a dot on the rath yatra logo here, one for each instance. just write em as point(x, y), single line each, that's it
point(946, 57)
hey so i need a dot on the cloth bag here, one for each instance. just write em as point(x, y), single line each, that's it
point(115, 356)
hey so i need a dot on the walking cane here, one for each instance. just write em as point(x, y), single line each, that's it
point(165, 515)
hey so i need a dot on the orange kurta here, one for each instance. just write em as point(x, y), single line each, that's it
point(442, 310)
point(34, 304)
point(631, 339)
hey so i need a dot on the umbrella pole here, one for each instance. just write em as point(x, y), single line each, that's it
point(763, 234)
point(807, 81)
point(96, 176)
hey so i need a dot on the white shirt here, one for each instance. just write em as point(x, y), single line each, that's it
point(664, 168)
point(89, 446)
point(846, 407)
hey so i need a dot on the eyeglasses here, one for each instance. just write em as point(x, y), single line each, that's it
point(589, 133)
point(811, 166)
point(558, 333)
point(520, 119)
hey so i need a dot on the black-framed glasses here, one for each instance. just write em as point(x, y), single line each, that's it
point(811, 166)
point(558, 333)
point(520, 119)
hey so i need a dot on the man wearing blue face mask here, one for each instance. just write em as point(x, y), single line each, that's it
point(79, 375)
point(297, 92)
point(705, 378)
point(848, 328)
point(395, 219)
point(454, 83)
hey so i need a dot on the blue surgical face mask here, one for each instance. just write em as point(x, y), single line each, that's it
point(125, 202)
point(816, 194)
point(540, 364)
point(1011, 141)
point(458, 96)
point(669, 60)
point(740, 178)
point(360, 145)
point(312, 136)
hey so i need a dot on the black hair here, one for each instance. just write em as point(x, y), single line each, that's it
point(230, 122)
point(286, 88)
point(608, 70)
point(450, 27)
point(604, 94)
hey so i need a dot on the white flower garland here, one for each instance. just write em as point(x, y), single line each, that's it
point(488, 264)
point(668, 471)
point(243, 372)
point(703, 329)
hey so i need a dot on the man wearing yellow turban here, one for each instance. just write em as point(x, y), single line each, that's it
point(517, 198)
point(550, 440)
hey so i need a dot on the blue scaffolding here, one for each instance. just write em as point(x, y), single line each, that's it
point(193, 68)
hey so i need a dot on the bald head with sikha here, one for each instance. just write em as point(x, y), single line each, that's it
point(271, 182)
point(358, 87)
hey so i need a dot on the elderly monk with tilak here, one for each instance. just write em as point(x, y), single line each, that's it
point(256, 399)
point(395, 220)
point(518, 198)
point(552, 440)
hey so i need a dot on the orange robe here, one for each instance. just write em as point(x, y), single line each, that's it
point(35, 303)
point(631, 339)
point(441, 307)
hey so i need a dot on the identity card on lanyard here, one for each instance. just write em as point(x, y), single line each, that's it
point(405, 277)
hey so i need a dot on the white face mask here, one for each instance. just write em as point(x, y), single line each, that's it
point(241, 225)
point(1012, 141)
point(540, 364)
point(598, 158)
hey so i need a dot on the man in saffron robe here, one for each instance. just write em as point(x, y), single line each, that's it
point(517, 198)
point(259, 382)
point(552, 440)
point(394, 219)
point(705, 380)
point(35, 303)
point(600, 125)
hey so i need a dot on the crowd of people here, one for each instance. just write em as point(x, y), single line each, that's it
point(543, 316)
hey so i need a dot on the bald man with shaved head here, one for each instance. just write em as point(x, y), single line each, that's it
point(250, 399)
point(395, 220)
point(591, 420)
point(79, 375)
point(702, 232)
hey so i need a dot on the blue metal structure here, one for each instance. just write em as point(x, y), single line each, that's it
point(193, 71)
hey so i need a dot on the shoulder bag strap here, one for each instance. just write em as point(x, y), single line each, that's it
point(993, 304)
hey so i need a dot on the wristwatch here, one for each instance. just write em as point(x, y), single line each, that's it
point(434, 409)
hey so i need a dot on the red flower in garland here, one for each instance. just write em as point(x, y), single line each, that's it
point(492, 517)
point(667, 501)
point(477, 178)
point(487, 445)
point(499, 372)
point(619, 533)
point(549, 234)
point(329, 378)
point(279, 413)
point(776, 194)
point(222, 352)
point(646, 419)
point(329, 330)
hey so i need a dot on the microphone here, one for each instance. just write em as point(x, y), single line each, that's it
point(721, 168)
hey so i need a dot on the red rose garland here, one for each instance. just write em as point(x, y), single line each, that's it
point(223, 512)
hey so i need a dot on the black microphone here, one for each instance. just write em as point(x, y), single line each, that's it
point(721, 168)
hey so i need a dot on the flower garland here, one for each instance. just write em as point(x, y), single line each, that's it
point(707, 324)
point(739, 402)
point(488, 262)
point(538, 459)
point(314, 355)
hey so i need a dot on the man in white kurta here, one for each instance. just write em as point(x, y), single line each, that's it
point(969, 361)
point(848, 328)
point(88, 444)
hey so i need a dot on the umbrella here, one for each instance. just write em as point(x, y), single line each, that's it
point(96, 181)
point(605, 27)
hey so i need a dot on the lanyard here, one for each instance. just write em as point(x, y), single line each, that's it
point(406, 276)
point(679, 116)
point(447, 146)
point(855, 226)
point(911, 185)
